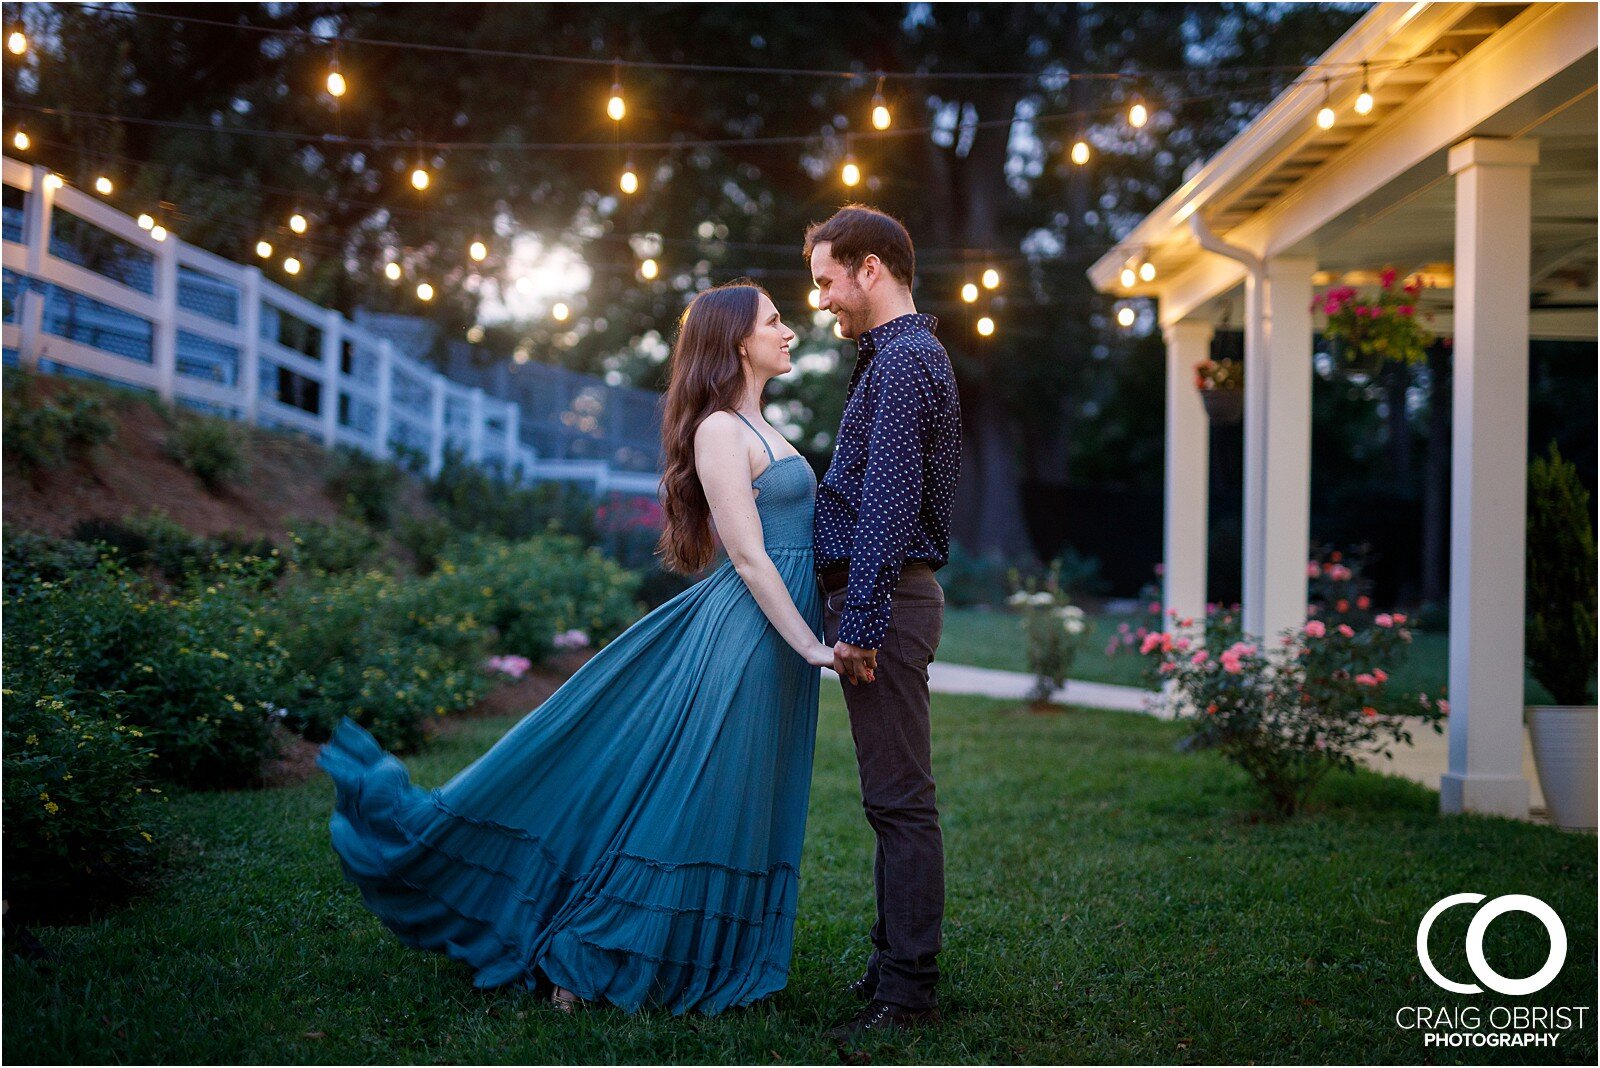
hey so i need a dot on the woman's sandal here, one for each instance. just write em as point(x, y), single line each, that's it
point(564, 1000)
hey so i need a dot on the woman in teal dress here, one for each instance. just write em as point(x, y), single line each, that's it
point(636, 838)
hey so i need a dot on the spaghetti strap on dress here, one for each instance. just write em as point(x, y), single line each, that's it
point(637, 837)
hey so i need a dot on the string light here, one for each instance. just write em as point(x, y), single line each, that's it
point(336, 82)
point(54, 181)
point(145, 221)
point(629, 182)
point(649, 269)
point(1126, 316)
point(297, 223)
point(850, 173)
point(1129, 277)
point(838, 331)
point(103, 186)
point(1147, 271)
point(16, 42)
point(158, 232)
point(1325, 116)
point(21, 140)
point(881, 119)
point(424, 291)
point(478, 251)
point(291, 266)
point(419, 178)
point(814, 298)
point(616, 107)
point(986, 327)
point(991, 279)
point(264, 250)
point(1138, 114)
point(475, 333)
point(559, 311)
point(1364, 101)
point(969, 292)
point(391, 271)
point(1080, 152)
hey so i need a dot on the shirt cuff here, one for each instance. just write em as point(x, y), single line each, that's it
point(864, 627)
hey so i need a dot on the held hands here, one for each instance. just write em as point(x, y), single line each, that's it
point(854, 663)
point(820, 656)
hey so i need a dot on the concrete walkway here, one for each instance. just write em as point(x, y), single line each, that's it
point(1424, 761)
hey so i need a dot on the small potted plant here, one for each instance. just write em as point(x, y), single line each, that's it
point(1561, 639)
point(1369, 332)
point(1221, 386)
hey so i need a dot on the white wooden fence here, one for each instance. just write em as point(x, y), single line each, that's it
point(88, 292)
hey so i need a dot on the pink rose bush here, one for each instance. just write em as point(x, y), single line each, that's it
point(514, 666)
point(1290, 713)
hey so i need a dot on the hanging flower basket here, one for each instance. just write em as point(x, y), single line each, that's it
point(1364, 334)
point(1221, 386)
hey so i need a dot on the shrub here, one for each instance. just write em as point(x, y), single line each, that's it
point(1561, 580)
point(210, 449)
point(1338, 589)
point(366, 486)
point(154, 540)
point(191, 667)
point(1289, 716)
point(83, 823)
point(45, 434)
point(342, 545)
point(425, 538)
point(29, 556)
point(1054, 628)
point(474, 501)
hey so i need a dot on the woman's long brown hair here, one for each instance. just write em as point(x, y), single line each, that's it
point(707, 375)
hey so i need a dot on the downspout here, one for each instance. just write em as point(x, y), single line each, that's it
point(1256, 332)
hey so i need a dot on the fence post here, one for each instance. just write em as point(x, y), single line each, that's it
point(30, 320)
point(513, 439)
point(332, 357)
point(164, 356)
point(380, 425)
point(250, 344)
point(436, 428)
point(36, 221)
point(475, 426)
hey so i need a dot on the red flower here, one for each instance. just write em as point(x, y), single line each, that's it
point(1369, 712)
point(1342, 605)
point(1211, 709)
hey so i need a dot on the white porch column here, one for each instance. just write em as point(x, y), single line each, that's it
point(1277, 489)
point(1188, 473)
point(1489, 476)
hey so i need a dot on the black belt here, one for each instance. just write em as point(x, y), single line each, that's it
point(836, 577)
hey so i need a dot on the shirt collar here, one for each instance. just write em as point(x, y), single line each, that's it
point(872, 340)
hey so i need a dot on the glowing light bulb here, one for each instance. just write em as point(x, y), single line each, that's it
point(814, 298)
point(16, 42)
point(1080, 153)
point(1326, 117)
point(1364, 102)
point(291, 266)
point(969, 292)
point(21, 140)
point(1126, 316)
point(419, 178)
point(838, 331)
point(391, 271)
point(336, 82)
point(649, 269)
point(1147, 271)
point(158, 232)
point(850, 173)
point(297, 223)
point(986, 327)
point(560, 312)
point(629, 182)
point(103, 186)
point(1129, 278)
point(145, 221)
point(1138, 115)
point(478, 250)
point(616, 107)
point(991, 279)
point(264, 250)
point(881, 119)
point(54, 181)
point(424, 291)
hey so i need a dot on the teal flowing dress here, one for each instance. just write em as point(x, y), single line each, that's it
point(637, 837)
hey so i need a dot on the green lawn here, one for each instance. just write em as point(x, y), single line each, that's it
point(992, 638)
point(1110, 900)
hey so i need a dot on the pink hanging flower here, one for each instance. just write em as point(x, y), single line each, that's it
point(1388, 276)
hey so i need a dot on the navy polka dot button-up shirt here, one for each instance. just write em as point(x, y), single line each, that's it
point(887, 495)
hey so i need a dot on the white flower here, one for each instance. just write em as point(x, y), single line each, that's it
point(1018, 598)
point(1075, 626)
point(1042, 598)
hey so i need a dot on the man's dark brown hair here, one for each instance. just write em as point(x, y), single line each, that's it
point(856, 232)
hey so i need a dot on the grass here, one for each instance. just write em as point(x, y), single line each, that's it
point(1109, 900)
point(992, 638)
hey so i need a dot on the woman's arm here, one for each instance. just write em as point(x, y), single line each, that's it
point(721, 460)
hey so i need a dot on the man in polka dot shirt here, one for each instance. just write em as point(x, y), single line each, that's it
point(882, 528)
